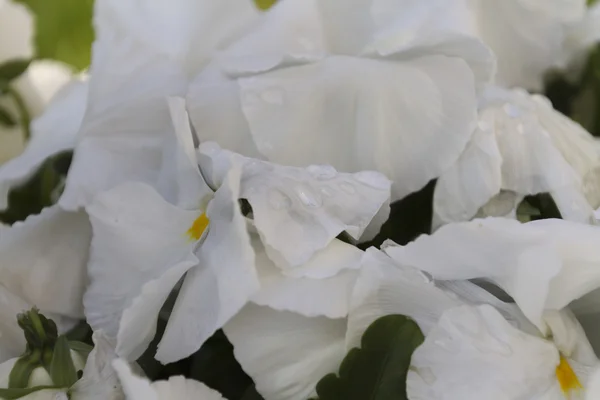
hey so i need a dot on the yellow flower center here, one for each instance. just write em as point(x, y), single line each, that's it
point(566, 377)
point(198, 227)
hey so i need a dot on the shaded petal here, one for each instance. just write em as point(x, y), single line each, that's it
point(180, 181)
point(12, 340)
point(472, 181)
point(177, 387)
point(299, 211)
point(34, 252)
point(53, 132)
point(127, 116)
point(365, 115)
point(285, 354)
point(497, 361)
point(99, 380)
point(385, 288)
point(220, 285)
point(138, 238)
point(543, 265)
point(310, 296)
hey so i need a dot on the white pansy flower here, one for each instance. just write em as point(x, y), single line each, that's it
point(527, 36)
point(500, 353)
point(523, 146)
point(143, 53)
point(139, 256)
point(37, 85)
point(176, 388)
point(366, 86)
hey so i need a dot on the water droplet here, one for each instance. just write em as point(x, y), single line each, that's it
point(348, 187)
point(279, 200)
point(521, 129)
point(327, 192)
point(308, 197)
point(272, 96)
point(512, 110)
point(267, 145)
point(373, 179)
point(322, 172)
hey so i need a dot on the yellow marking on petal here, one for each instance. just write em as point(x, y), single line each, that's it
point(198, 227)
point(566, 377)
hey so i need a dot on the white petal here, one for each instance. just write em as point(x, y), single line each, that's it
point(99, 380)
point(290, 33)
point(593, 387)
point(284, 353)
point(127, 116)
point(474, 352)
point(34, 252)
point(138, 238)
point(543, 265)
point(472, 181)
point(180, 181)
point(365, 115)
point(385, 288)
point(298, 211)
point(53, 132)
point(569, 337)
point(310, 296)
point(527, 36)
point(176, 388)
point(12, 340)
point(223, 282)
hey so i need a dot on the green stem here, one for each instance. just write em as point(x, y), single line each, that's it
point(23, 111)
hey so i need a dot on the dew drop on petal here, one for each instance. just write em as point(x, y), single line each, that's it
point(279, 200)
point(512, 110)
point(308, 197)
point(373, 179)
point(327, 192)
point(521, 129)
point(322, 172)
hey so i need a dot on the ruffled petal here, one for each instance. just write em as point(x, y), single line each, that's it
point(53, 132)
point(127, 116)
point(138, 238)
point(99, 380)
point(223, 282)
point(176, 388)
point(407, 119)
point(472, 181)
point(496, 360)
point(285, 354)
point(313, 295)
point(34, 252)
point(299, 211)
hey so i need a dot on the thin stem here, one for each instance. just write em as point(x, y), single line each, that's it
point(23, 111)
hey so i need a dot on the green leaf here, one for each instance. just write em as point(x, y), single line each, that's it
point(11, 70)
point(14, 393)
point(265, 4)
point(63, 30)
point(62, 370)
point(376, 371)
point(6, 118)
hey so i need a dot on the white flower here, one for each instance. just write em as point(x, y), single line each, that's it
point(522, 146)
point(143, 53)
point(476, 346)
point(374, 88)
point(176, 388)
point(143, 244)
point(593, 391)
point(37, 86)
